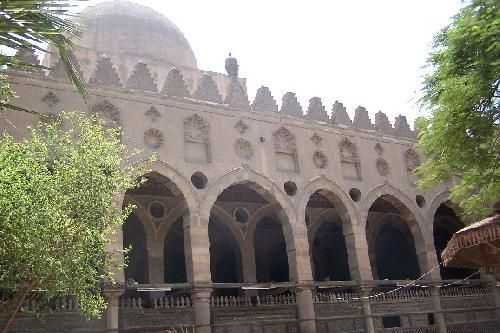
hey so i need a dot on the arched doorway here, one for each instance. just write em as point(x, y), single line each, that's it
point(173, 254)
point(134, 239)
point(253, 229)
point(270, 251)
point(446, 223)
point(225, 254)
point(391, 244)
point(161, 207)
point(327, 244)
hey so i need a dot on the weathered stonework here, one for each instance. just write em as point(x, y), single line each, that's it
point(207, 90)
point(175, 85)
point(243, 149)
point(153, 138)
point(339, 115)
point(316, 110)
point(105, 74)
point(51, 99)
point(141, 79)
point(264, 101)
point(232, 206)
point(290, 106)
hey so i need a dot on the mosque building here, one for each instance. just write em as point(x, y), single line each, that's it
point(254, 218)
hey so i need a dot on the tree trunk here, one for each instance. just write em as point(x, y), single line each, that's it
point(20, 300)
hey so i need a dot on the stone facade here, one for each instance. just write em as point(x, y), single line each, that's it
point(259, 220)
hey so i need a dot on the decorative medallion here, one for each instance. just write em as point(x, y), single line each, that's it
point(316, 139)
point(50, 99)
point(382, 167)
point(153, 138)
point(243, 149)
point(320, 160)
point(152, 113)
point(379, 149)
point(241, 127)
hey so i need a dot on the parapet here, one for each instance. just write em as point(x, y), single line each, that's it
point(141, 79)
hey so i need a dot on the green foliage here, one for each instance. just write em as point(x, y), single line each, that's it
point(57, 210)
point(28, 25)
point(461, 138)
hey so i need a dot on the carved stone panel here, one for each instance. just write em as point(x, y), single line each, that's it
point(382, 167)
point(316, 138)
point(320, 160)
point(241, 127)
point(285, 150)
point(50, 99)
point(153, 138)
point(197, 140)
point(108, 113)
point(243, 149)
point(152, 113)
point(412, 161)
point(351, 166)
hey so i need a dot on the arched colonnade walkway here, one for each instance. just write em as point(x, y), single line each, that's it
point(245, 228)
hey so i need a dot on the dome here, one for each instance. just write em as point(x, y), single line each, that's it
point(128, 31)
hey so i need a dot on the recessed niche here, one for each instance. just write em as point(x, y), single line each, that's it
point(420, 200)
point(156, 209)
point(355, 194)
point(240, 215)
point(290, 188)
point(199, 180)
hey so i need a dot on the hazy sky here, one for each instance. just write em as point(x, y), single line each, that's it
point(367, 53)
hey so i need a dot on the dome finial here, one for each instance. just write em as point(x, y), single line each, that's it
point(232, 66)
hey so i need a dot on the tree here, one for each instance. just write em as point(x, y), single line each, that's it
point(57, 212)
point(29, 25)
point(461, 137)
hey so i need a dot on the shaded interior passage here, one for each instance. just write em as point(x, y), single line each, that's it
point(270, 252)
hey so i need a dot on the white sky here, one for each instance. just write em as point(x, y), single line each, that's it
point(362, 52)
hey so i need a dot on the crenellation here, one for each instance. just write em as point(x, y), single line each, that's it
point(316, 110)
point(175, 85)
point(382, 123)
point(361, 119)
point(28, 56)
point(290, 106)
point(105, 73)
point(402, 128)
point(59, 71)
point(340, 115)
point(207, 90)
point(236, 95)
point(264, 101)
point(141, 79)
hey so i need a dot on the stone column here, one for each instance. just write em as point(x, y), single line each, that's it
point(438, 311)
point(201, 306)
point(155, 260)
point(300, 269)
point(197, 252)
point(359, 260)
point(360, 269)
point(367, 310)
point(495, 294)
point(112, 296)
point(430, 257)
point(305, 307)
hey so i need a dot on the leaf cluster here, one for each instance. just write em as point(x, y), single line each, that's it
point(28, 25)
point(461, 138)
point(57, 209)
